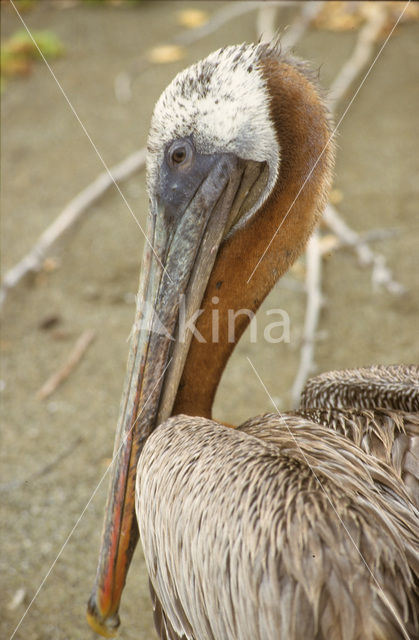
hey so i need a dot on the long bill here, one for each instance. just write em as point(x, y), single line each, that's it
point(175, 272)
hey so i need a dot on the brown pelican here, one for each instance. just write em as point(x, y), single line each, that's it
point(292, 526)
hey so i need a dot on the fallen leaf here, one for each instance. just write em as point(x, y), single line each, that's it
point(21, 43)
point(15, 66)
point(50, 264)
point(18, 51)
point(328, 243)
point(192, 18)
point(166, 53)
point(335, 196)
point(339, 16)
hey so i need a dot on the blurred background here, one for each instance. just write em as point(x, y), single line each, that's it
point(113, 59)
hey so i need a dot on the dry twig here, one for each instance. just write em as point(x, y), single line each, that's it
point(72, 361)
point(265, 22)
point(360, 57)
point(32, 262)
point(381, 275)
point(233, 10)
point(66, 219)
point(220, 18)
point(314, 303)
point(300, 24)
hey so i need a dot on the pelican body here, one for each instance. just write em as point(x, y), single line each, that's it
point(291, 526)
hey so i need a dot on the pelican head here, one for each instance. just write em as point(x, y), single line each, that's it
point(217, 107)
point(213, 165)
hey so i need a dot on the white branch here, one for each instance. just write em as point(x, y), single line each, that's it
point(361, 55)
point(57, 378)
point(299, 26)
point(66, 219)
point(220, 18)
point(79, 204)
point(32, 262)
point(314, 303)
point(265, 22)
point(381, 274)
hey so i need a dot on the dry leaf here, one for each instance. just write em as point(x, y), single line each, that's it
point(17, 600)
point(339, 16)
point(51, 264)
point(166, 53)
point(335, 196)
point(343, 16)
point(328, 243)
point(192, 18)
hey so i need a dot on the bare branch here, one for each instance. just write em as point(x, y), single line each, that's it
point(32, 262)
point(300, 24)
point(381, 274)
point(360, 57)
point(66, 219)
point(266, 27)
point(314, 304)
point(72, 361)
point(233, 10)
point(220, 18)
point(265, 22)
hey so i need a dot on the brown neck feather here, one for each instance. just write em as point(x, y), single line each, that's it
point(302, 129)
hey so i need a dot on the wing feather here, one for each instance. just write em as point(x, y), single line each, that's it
point(258, 533)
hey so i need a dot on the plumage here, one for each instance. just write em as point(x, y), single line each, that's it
point(391, 387)
point(291, 526)
point(375, 407)
point(281, 528)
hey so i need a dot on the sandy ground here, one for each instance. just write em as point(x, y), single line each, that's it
point(46, 160)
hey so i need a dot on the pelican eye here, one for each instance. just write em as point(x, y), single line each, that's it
point(180, 153)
